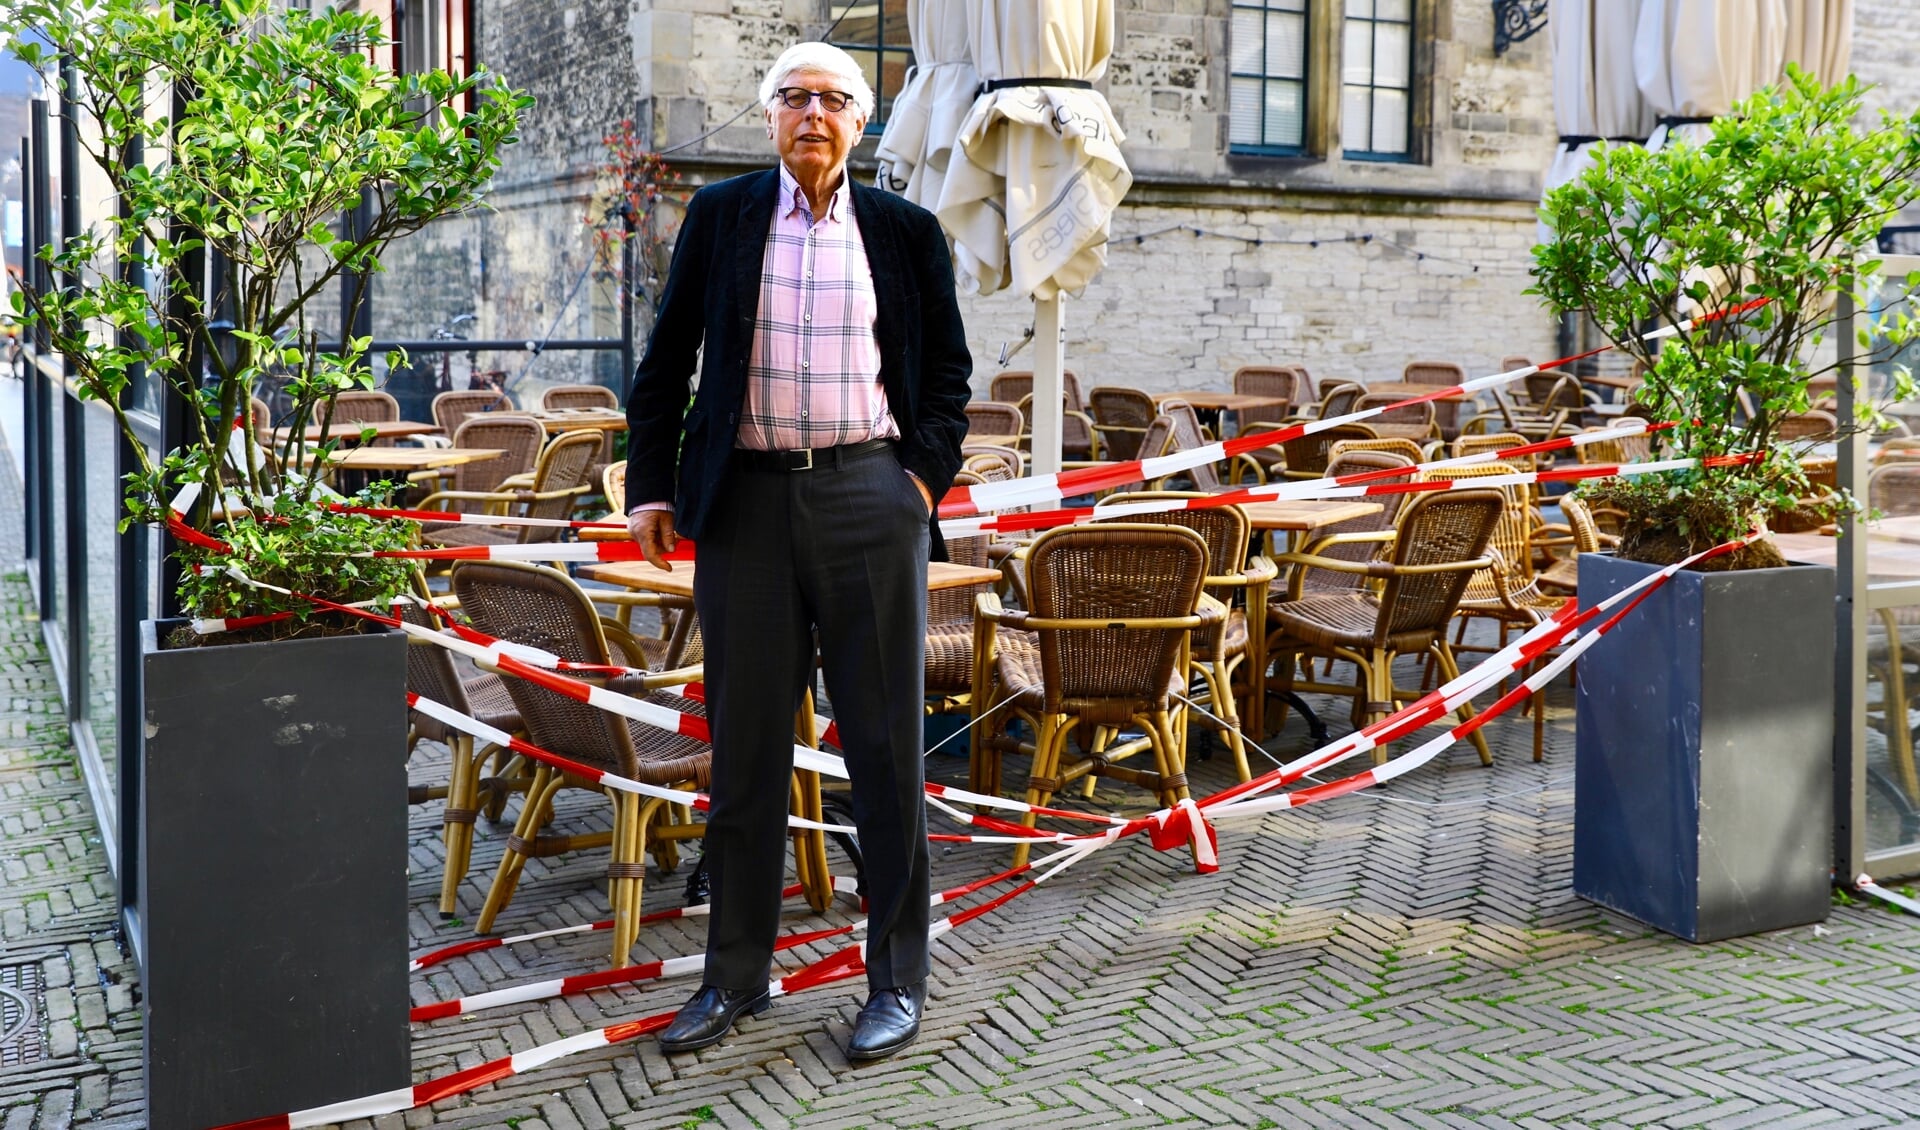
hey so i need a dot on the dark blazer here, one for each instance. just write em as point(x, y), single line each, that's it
point(682, 452)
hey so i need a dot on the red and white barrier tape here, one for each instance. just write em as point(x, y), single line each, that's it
point(1040, 490)
point(604, 552)
point(1865, 885)
point(462, 518)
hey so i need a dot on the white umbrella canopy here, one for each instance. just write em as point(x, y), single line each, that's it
point(1820, 37)
point(926, 115)
point(1036, 170)
point(1693, 59)
point(1595, 95)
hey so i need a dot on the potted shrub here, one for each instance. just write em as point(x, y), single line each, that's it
point(272, 857)
point(1705, 722)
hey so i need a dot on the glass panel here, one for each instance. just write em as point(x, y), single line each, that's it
point(1392, 54)
point(1389, 121)
point(1286, 120)
point(103, 501)
point(893, 76)
point(1893, 786)
point(861, 24)
point(427, 293)
point(869, 66)
point(1286, 45)
point(1288, 5)
point(1355, 118)
point(895, 24)
point(1361, 8)
point(1394, 10)
point(1356, 53)
point(1245, 112)
point(1243, 41)
point(56, 445)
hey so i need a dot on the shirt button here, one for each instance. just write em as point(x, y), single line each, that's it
point(803, 413)
point(809, 274)
point(805, 364)
point(806, 317)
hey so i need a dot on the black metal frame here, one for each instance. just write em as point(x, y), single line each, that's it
point(1515, 21)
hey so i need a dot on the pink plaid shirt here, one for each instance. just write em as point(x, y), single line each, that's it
point(813, 377)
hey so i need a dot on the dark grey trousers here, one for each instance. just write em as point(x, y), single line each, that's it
point(841, 551)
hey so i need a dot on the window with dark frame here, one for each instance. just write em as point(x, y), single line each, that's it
point(874, 32)
point(1267, 96)
point(1376, 80)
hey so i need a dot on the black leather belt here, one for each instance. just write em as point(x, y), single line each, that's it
point(811, 458)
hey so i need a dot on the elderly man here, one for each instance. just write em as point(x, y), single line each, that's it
point(828, 418)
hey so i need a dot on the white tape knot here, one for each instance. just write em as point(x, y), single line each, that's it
point(1185, 824)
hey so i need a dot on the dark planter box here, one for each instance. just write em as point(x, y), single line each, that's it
point(1703, 767)
point(272, 875)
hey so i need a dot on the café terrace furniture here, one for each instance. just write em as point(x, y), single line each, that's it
point(574, 398)
point(1121, 416)
point(994, 418)
point(1446, 413)
point(1393, 445)
point(1104, 643)
point(1439, 542)
point(541, 607)
point(451, 409)
point(560, 478)
point(1079, 438)
point(1015, 385)
point(1414, 421)
point(360, 406)
point(518, 440)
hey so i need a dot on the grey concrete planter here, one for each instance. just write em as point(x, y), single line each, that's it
point(272, 885)
point(1704, 751)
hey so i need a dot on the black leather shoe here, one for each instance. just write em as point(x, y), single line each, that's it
point(889, 1021)
point(708, 1016)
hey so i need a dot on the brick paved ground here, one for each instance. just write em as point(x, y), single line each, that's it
point(1405, 959)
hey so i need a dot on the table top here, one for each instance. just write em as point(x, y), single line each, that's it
point(577, 419)
point(408, 458)
point(1887, 559)
point(642, 576)
point(1301, 515)
point(1221, 401)
point(1613, 382)
point(349, 432)
point(993, 440)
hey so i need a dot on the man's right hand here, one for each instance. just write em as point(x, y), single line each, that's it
point(653, 529)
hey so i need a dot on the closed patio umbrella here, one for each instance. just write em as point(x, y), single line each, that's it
point(926, 116)
point(1036, 171)
point(1595, 95)
point(1820, 37)
point(1693, 59)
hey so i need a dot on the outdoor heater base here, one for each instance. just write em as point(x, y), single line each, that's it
point(273, 876)
point(1703, 766)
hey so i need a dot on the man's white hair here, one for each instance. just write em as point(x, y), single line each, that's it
point(818, 58)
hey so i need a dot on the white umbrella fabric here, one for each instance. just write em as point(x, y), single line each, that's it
point(926, 116)
point(1595, 95)
point(1693, 59)
point(1820, 37)
point(1036, 173)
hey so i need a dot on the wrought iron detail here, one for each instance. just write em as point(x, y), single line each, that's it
point(1515, 21)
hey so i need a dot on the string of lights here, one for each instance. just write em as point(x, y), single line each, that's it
point(1264, 241)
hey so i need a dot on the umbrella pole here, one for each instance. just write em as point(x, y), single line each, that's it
point(1050, 344)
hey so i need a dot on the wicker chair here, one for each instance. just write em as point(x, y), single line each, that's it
point(1238, 584)
point(1185, 434)
point(564, 397)
point(1112, 612)
point(1270, 380)
point(1440, 541)
point(1015, 385)
point(451, 409)
point(517, 438)
point(260, 419)
point(540, 607)
point(1307, 455)
point(361, 406)
point(1079, 437)
point(432, 674)
point(1626, 449)
point(1492, 441)
point(1392, 445)
point(1121, 416)
point(1506, 592)
point(1561, 577)
point(949, 659)
point(1359, 539)
point(559, 479)
point(980, 457)
point(994, 418)
point(1446, 413)
point(1413, 421)
point(1810, 425)
point(1337, 398)
point(1514, 361)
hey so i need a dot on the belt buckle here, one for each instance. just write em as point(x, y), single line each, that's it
point(807, 464)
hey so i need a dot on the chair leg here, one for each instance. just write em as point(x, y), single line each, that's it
point(1220, 678)
point(1451, 669)
point(1042, 781)
point(1539, 717)
point(1377, 678)
point(457, 825)
point(626, 873)
point(810, 846)
point(546, 782)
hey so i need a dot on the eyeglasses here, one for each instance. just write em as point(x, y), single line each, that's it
point(799, 97)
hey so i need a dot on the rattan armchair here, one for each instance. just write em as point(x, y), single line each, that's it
point(1239, 584)
point(1104, 642)
point(562, 398)
point(1440, 542)
point(1337, 398)
point(1121, 416)
point(1408, 420)
point(517, 438)
point(1399, 446)
point(1015, 385)
point(559, 479)
point(949, 658)
point(1446, 413)
point(541, 607)
point(451, 409)
point(1561, 577)
point(360, 406)
point(1307, 456)
point(994, 418)
point(1079, 437)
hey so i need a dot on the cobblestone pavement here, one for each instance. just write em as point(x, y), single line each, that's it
point(1412, 958)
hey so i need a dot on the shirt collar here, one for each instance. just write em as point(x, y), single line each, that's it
point(797, 200)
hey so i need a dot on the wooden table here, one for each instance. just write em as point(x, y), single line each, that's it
point(644, 577)
point(406, 458)
point(579, 419)
point(348, 431)
point(1887, 560)
point(1305, 517)
point(992, 440)
point(1206, 401)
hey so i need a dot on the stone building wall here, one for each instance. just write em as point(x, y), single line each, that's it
point(1442, 274)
